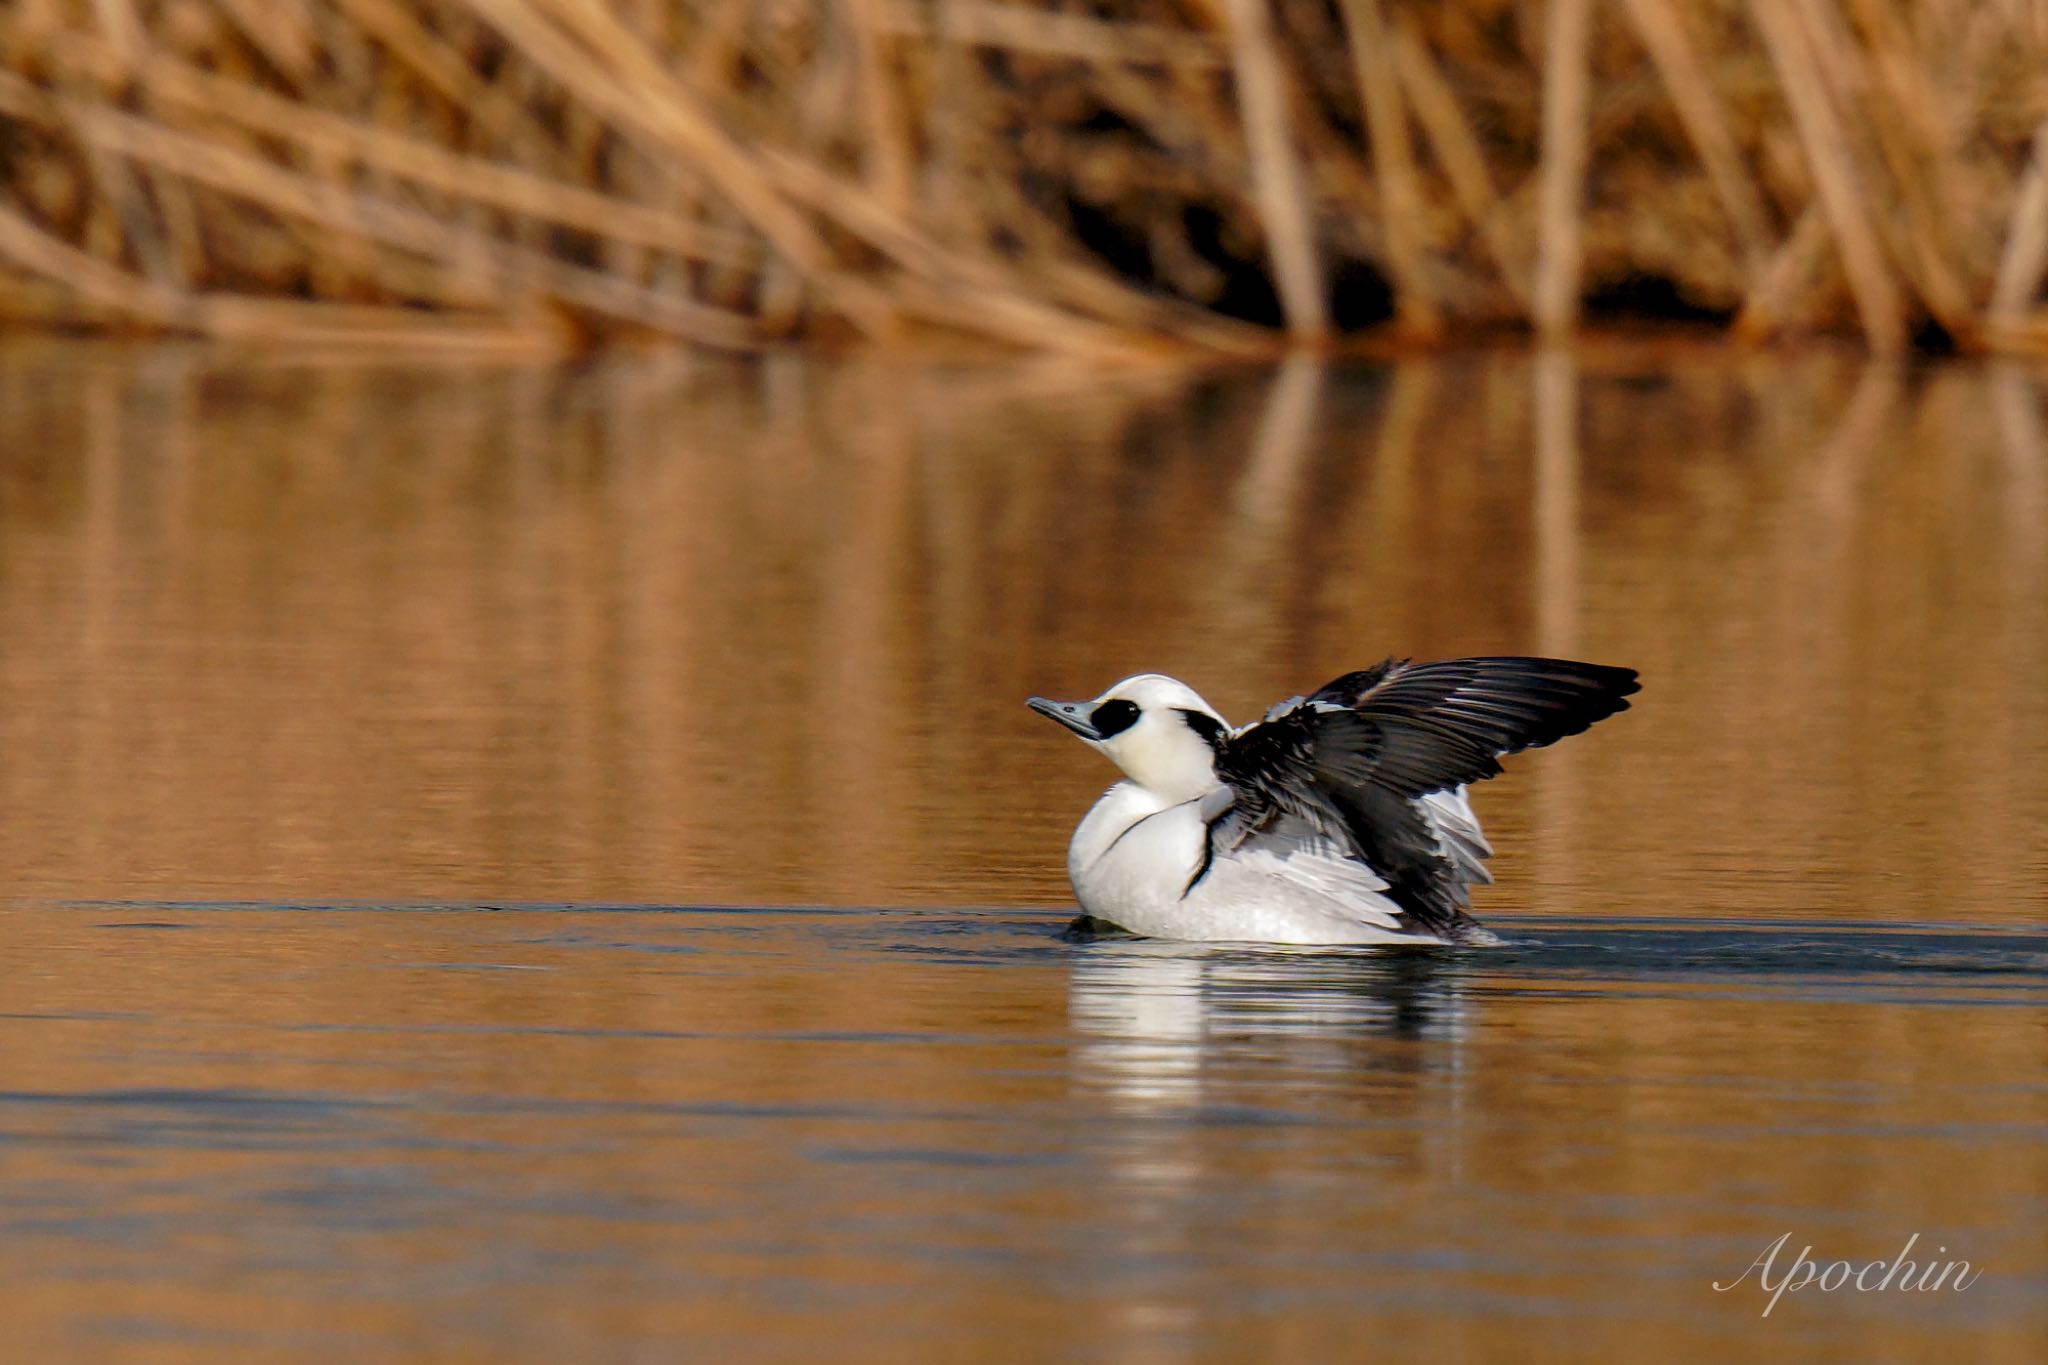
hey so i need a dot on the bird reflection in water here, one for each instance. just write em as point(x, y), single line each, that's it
point(1228, 1073)
point(1153, 1018)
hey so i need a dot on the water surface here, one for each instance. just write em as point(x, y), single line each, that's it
point(532, 864)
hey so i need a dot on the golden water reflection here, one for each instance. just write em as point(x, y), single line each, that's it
point(681, 631)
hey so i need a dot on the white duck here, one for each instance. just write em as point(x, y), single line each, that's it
point(1339, 818)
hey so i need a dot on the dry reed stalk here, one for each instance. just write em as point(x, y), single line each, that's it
point(118, 21)
point(615, 77)
point(1784, 278)
point(1459, 152)
point(1278, 184)
point(953, 216)
point(290, 322)
point(42, 253)
point(1554, 293)
point(122, 191)
point(1400, 198)
point(1904, 115)
point(475, 266)
point(181, 226)
point(1662, 30)
point(399, 31)
point(1013, 28)
point(2025, 257)
point(1830, 161)
point(889, 152)
point(279, 29)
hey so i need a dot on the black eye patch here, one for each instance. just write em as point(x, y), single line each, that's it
point(1207, 726)
point(1113, 717)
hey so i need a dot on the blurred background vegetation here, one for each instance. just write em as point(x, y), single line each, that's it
point(1107, 177)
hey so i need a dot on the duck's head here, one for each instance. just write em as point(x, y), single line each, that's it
point(1157, 729)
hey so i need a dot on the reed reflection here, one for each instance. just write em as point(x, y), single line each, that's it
point(684, 631)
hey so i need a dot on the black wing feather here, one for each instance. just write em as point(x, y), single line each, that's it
point(1353, 759)
point(1439, 725)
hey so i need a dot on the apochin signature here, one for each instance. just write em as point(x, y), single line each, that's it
point(1871, 1277)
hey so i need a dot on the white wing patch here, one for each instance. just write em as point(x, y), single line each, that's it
point(1457, 833)
point(1273, 713)
point(1292, 861)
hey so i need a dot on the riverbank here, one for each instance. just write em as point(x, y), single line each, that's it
point(1225, 176)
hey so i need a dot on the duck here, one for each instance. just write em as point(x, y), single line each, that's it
point(1341, 817)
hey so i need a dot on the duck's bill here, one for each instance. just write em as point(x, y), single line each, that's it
point(1072, 714)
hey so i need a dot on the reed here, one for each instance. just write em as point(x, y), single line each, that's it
point(1222, 175)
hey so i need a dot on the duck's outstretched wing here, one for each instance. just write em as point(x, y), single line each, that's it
point(1355, 761)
